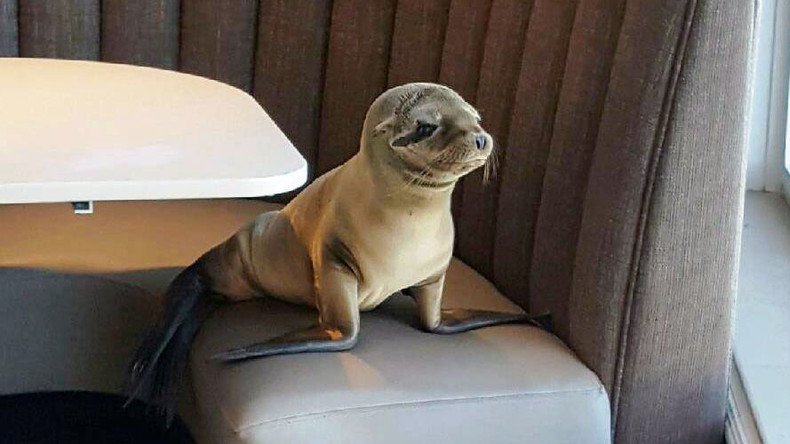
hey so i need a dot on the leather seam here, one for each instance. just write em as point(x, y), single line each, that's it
point(413, 404)
point(657, 149)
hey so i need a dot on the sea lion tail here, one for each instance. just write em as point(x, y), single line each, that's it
point(155, 374)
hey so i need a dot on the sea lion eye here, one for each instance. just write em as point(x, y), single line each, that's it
point(423, 131)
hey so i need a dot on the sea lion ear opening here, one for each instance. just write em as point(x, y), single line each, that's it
point(386, 125)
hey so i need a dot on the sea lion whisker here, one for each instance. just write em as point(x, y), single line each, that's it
point(420, 179)
point(423, 175)
point(491, 166)
point(439, 158)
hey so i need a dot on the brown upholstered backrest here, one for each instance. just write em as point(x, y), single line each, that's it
point(619, 126)
point(316, 66)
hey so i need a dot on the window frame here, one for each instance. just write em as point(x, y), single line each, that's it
point(781, 72)
point(768, 113)
point(775, 168)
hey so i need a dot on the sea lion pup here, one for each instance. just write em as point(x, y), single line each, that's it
point(376, 225)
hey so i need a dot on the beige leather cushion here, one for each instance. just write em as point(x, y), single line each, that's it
point(66, 332)
point(501, 384)
point(143, 243)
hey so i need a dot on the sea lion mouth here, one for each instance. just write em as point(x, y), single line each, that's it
point(437, 175)
point(443, 166)
point(408, 165)
point(426, 180)
point(460, 166)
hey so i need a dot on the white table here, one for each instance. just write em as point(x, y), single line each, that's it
point(87, 131)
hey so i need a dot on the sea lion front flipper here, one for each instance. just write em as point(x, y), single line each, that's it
point(338, 325)
point(310, 340)
point(434, 319)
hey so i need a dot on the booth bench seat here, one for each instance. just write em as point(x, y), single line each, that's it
point(501, 384)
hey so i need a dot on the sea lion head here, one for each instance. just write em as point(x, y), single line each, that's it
point(427, 134)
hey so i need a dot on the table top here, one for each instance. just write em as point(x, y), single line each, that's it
point(89, 131)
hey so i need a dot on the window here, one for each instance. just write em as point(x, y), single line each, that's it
point(786, 174)
point(767, 168)
point(762, 360)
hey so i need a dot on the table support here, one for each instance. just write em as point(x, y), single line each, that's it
point(85, 207)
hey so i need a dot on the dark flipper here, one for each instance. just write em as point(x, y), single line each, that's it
point(311, 340)
point(159, 364)
point(458, 320)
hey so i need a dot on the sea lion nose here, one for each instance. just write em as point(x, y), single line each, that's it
point(480, 141)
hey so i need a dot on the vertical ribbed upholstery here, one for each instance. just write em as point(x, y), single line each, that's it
point(495, 96)
point(619, 129)
point(9, 32)
point(635, 107)
point(419, 29)
point(218, 40)
point(356, 72)
point(567, 162)
point(656, 259)
point(532, 120)
point(65, 29)
point(141, 32)
point(462, 55)
point(289, 68)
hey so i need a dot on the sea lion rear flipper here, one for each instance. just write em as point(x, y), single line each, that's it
point(434, 319)
point(458, 320)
